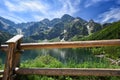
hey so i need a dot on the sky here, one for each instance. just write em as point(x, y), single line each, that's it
point(19, 11)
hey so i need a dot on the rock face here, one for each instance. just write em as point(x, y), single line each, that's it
point(93, 27)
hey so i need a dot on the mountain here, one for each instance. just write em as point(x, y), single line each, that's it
point(64, 28)
point(74, 28)
point(50, 29)
point(67, 18)
point(46, 21)
point(56, 31)
point(55, 21)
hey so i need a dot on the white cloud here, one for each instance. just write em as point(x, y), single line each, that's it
point(11, 16)
point(14, 18)
point(13, 7)
point(26, 5)
point(89, 3)
point(109, 16)
point(40, 9)
point(38, 6)
point(38, 17)
point(67, 7)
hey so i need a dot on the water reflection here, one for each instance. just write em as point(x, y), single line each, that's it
point(79, 55)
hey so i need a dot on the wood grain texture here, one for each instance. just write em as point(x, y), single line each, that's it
point(74, 44)
point(69, 71)
point(8, 70)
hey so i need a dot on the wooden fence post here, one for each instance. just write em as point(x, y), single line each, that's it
point(17, 55)
point(13, 57)
point(8, 71)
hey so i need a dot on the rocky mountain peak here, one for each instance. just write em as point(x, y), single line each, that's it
point(46, 21)
point(91, 21)
point(67, 18)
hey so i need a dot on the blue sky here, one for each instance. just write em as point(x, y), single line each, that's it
point(35, 10)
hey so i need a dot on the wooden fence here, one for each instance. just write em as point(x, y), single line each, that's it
point(14, 47)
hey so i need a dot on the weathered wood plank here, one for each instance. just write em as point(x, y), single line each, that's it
point(69, 71)
point(14, 39)
point(17, 55)
point(74, 44)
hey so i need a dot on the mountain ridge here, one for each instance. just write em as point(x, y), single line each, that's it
point(65, 28)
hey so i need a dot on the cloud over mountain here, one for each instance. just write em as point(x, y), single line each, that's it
point(111, 15)
point(36, 10)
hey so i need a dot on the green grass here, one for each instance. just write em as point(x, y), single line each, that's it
point(111, 52)
point(50, 62)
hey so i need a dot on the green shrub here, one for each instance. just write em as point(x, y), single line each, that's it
point(43, 61)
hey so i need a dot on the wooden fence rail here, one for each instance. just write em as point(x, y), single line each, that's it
point(14, 47)
point(69, 71)
point(73, 44)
